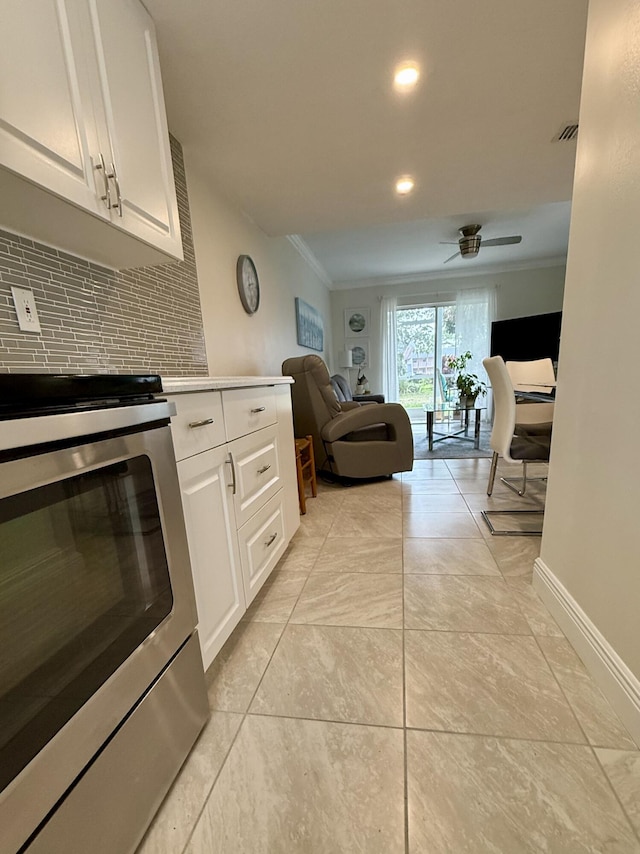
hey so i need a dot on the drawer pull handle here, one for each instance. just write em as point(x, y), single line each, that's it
point(258, 409)
point(264, 469)
point(202, 423)
point(229, 462)
point(270, 540)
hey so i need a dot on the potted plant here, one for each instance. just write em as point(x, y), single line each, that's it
point(469, 385)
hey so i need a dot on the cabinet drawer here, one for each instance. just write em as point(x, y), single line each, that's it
point(198, 424)
point(247, 410)
point(262, 544)
point(256, 468)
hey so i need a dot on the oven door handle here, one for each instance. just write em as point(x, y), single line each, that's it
point(230, 462)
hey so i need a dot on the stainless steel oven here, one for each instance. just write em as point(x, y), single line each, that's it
point(101, 684)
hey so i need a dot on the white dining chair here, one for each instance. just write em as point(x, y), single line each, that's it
point(515, 443)
point(535, 375)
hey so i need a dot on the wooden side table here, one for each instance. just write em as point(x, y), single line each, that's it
point(305, 465)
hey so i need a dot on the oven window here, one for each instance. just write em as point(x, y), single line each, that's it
point(83, 581)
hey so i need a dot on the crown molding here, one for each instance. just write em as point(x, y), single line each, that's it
point(430, 275)
point(303, 250)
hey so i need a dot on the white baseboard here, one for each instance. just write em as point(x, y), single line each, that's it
point(619, 685)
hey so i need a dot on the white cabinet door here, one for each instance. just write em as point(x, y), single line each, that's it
point(137, 137)
point(47, 134)
point(213, 548)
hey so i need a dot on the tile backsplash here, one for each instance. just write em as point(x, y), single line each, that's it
point(145, 320)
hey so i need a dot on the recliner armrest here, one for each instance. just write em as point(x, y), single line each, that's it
point(348, 405)
point(369, 398)
point(364, 416)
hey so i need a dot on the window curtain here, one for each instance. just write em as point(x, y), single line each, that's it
point(389, 348)
point(475, 312)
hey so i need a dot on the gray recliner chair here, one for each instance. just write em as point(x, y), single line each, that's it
point(343, 392)
point(349, 440)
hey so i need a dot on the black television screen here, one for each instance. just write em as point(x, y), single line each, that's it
point(522, 339)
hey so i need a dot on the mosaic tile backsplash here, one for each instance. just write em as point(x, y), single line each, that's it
point(93, 319)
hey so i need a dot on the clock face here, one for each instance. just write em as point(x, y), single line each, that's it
point(248, 285)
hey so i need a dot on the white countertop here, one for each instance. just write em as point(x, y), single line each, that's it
point(178, 385)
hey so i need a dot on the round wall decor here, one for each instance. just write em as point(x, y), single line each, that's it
point(248, 285)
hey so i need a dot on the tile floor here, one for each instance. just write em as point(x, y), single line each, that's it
point(397, 686)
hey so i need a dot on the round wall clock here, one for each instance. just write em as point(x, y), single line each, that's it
point(248, 285)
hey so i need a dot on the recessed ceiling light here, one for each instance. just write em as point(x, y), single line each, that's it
point(404, 185)
point(406, 76)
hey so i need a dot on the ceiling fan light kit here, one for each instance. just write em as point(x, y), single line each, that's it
point(470, 241)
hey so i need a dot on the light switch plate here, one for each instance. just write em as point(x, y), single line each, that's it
point(25, 304)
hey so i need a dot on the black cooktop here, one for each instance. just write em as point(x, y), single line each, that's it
point(23, 395)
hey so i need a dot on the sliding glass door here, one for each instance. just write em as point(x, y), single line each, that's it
point(425, 336)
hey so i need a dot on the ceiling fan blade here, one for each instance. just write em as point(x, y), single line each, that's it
point(503, 241)
point(451, 259)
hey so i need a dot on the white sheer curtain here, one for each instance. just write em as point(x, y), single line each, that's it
point(475, 311)
point(389, 348)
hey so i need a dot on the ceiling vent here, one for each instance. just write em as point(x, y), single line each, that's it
point(567, 133)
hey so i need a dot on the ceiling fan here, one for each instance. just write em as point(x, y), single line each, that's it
point(470, 241)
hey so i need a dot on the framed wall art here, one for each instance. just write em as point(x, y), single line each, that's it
point(357, 322)
point(309, 326)
point(360, 349)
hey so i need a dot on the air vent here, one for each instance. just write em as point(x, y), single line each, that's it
point(566, 133)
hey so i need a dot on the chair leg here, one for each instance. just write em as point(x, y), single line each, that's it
point(492, 472)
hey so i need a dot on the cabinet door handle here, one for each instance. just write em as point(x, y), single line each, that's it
point(202, 423)
point(229, 462)
point(258, 409)
point(270, 540)
point(100, 167)
point(113, 175)
point(264, 469)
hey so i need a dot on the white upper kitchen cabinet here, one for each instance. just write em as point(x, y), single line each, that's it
point(46, 113)
point(84, 143)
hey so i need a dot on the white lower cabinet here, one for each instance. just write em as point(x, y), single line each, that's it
point(213, 547)
point(240, 498)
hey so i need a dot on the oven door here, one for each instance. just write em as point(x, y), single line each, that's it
point(95, 599)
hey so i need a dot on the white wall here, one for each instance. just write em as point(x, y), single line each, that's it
point(591, 542)
point(518, 294)
point(239, 344)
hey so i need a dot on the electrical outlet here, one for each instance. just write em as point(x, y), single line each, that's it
point(25, 304)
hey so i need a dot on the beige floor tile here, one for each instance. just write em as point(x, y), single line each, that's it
point(275, 602)
point(600, 723)
point(351, 599)
point(300, 555)
point(423, 473)
point(440, 525)
point(461, 604)
point(500, 501)
point(514, 555)
point(469, 467)
point(379, 501)
point(180, 809)
point(485, 684)
point(441, 486)
point(622, 767)
point(473, 795)
point(416, 503)
point(533, 609)
point(300, 787)
point(237, 669)
point(334, 673)
point(357, 554)
point(472, 484)
point(365, 523)
point(448, 557)
point(317, 521)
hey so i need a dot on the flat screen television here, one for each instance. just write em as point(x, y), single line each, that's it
point(521, 339)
